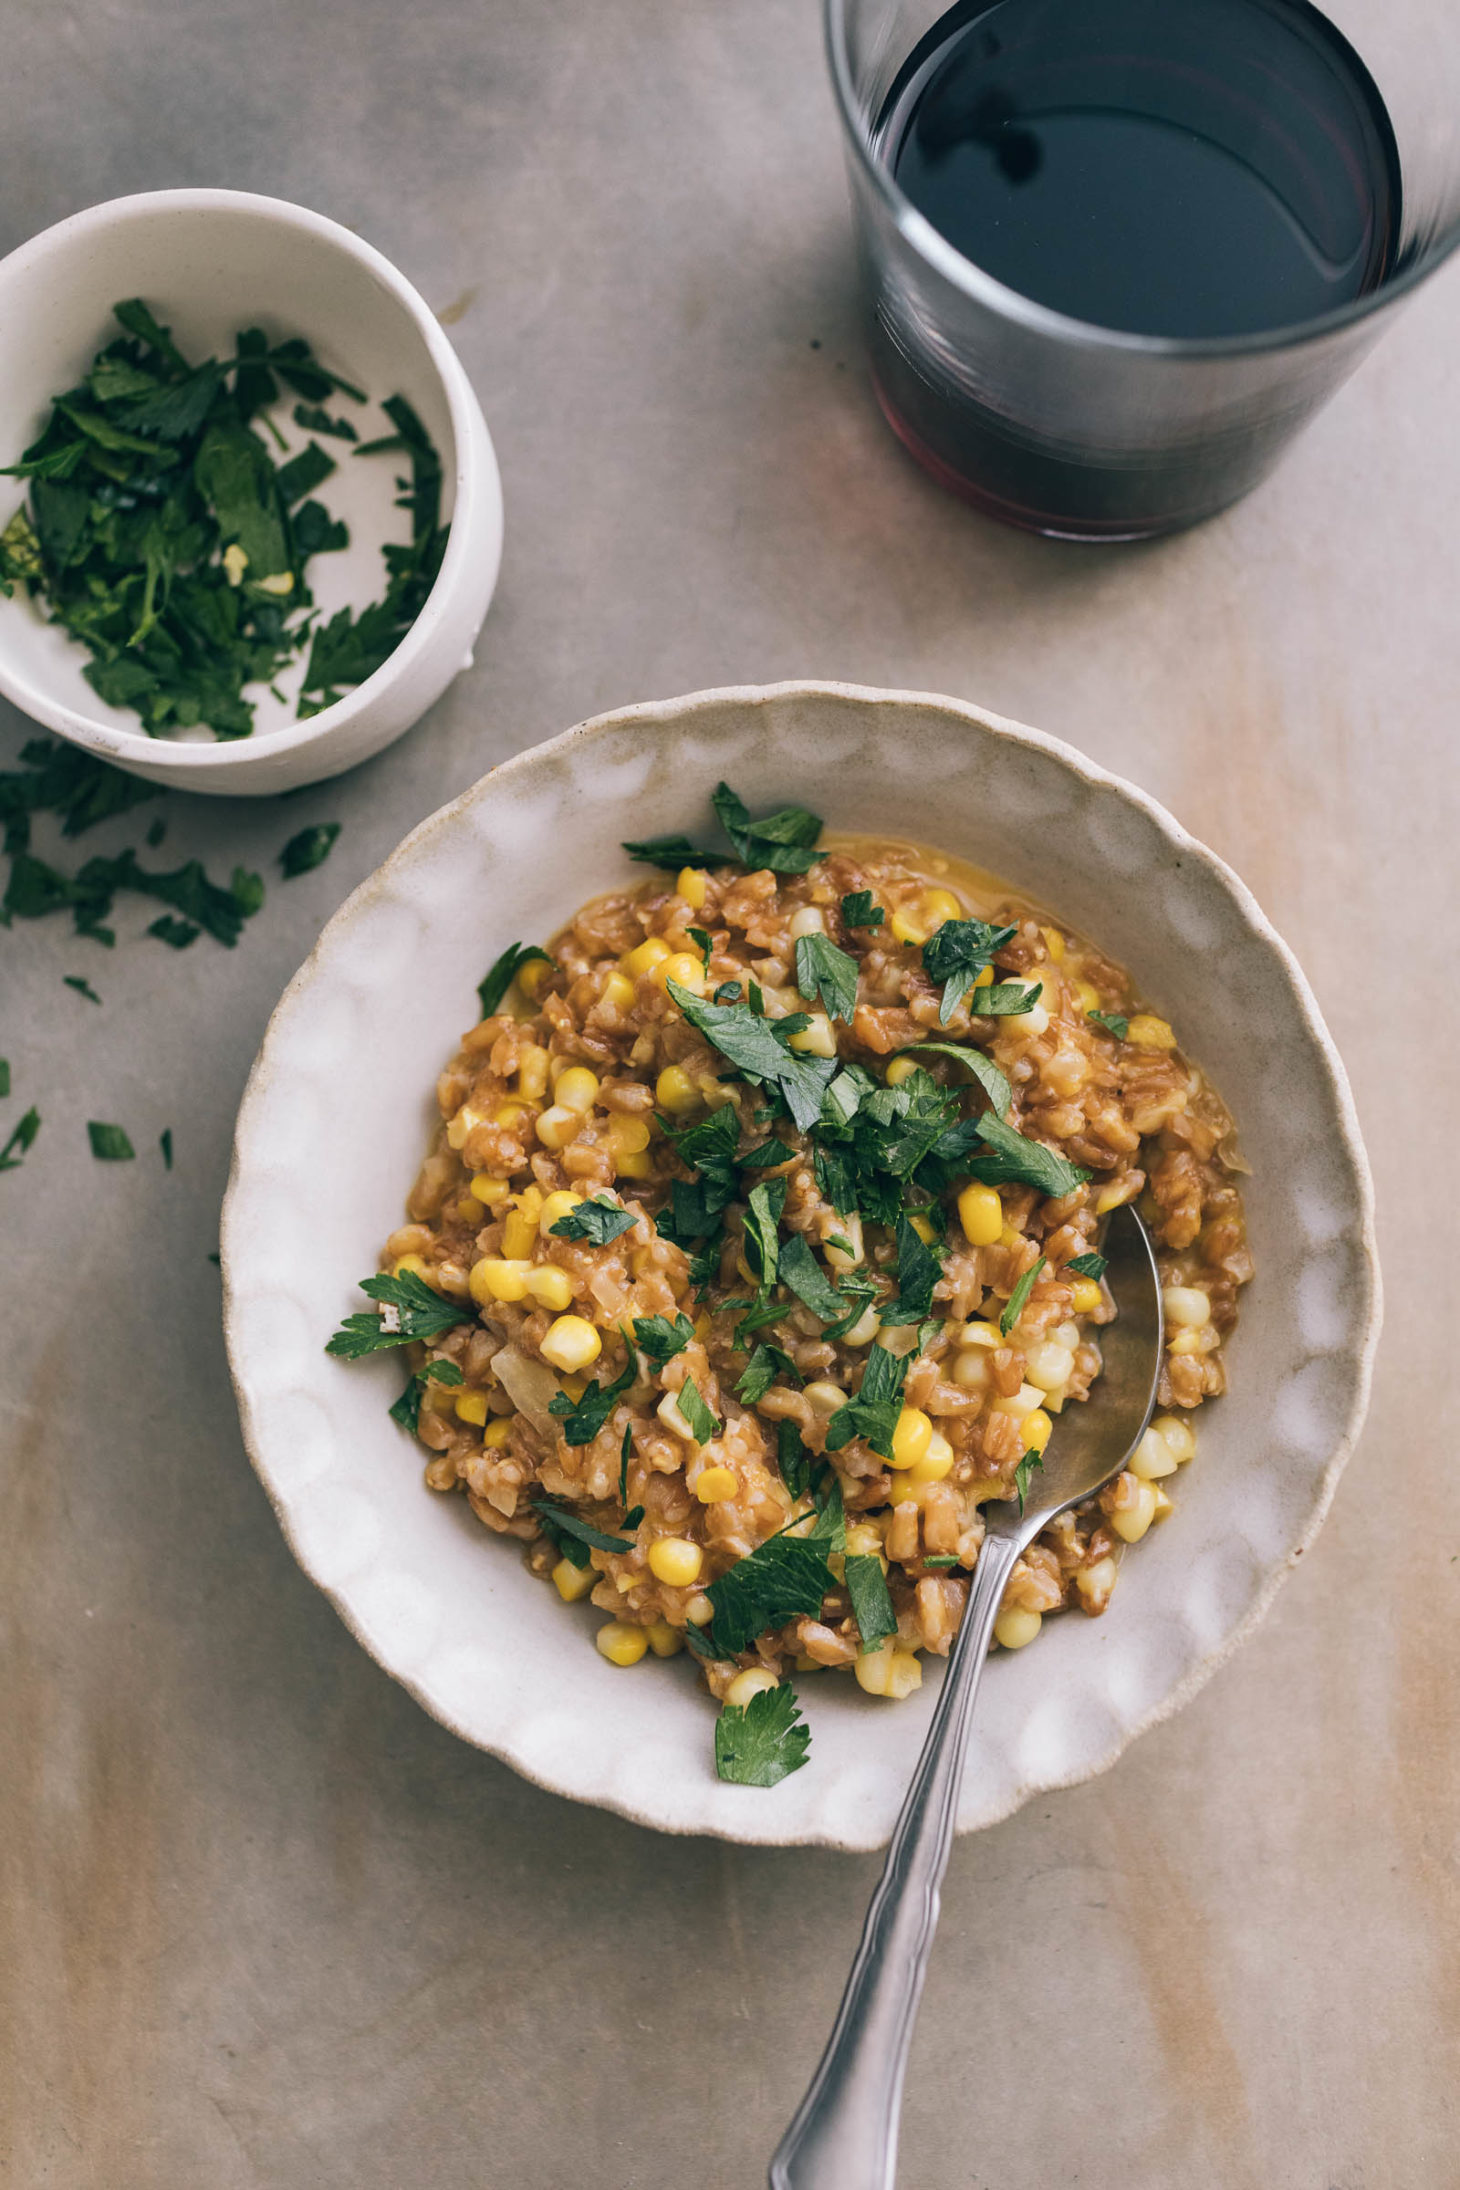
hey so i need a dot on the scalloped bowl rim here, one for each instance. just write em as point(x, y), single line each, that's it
point(667, 715)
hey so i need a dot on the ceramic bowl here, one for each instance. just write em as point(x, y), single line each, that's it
point(210, 262)
point(336, 1119)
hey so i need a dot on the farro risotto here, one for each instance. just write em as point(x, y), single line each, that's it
point(758, 1250)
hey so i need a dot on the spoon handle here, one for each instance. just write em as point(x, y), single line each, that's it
point(844, 2133)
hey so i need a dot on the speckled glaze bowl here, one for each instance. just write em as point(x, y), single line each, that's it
point(336, 1119)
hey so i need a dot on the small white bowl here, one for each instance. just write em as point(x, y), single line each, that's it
point(337, 1116)
point(208, 263)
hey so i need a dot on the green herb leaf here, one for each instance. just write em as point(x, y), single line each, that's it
point(956, 953)
point(704, 942)
point(873, 1414)
point(315, 420)
point(413, 1311)
point(407, 1409)
point(782, 1579)
point(871, 1604)
point(21, 1138)
point(823, 970)
point(988, 1075)
point(564, 1521)
point(751, 1044)
point(177, 934)
point(1023, 1473)
point(940, 1558)
point(792, 1458)
point(1006, 1000)
point(582, 1420)
point(661, 1338)
point(1012, 1157)
point(701, 1420)
point(860, 910)
point(918, 1271)
point(164, 1142)
point(82, 988)
point(762, 1221)
point(310, 849)
point(500, 975)
point(781, 841)
point(765, 1365)
point(1090, 1266)
point(625, 1452)
point(675, 851)
point(4, 1077)
point(1112, 1021)
point(1019, 1296)
point(764, 1742)
point(109, 1144)
point(598, 1220)
point(808, 1281)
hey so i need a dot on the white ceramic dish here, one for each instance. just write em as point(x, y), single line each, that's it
point(336, 1118)
point(210, 262)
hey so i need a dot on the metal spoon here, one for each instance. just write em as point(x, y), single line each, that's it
point(844, 2134)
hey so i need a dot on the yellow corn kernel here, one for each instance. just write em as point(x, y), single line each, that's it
point(519, 1230)
point(936, 1462)
point(1036, 1430)
point(941, 905)
point(1047, 1365)
point(573, 1583)
point(1015, 1627)
point(1149, 1032)
point(1152, 1458)
point(557, 1126)
point(981, 1214)
point(622, 1645)
point(714, 1485)
point(1087, 1296)
point(550, 1287)
point(676, 1092)
point(699, 1611)
point(1192, 1342)
point(1164, 1505)
point(1179, 1436)
point(645, 956)
point(1088, 994)
point(754, 1681)
point(824, 1397)
point(817, 1040)
point(984, 978)
point(981, 1334)
point(1112, 1196)
point(863, 1540)
point(531, 977)
point(676, 1561)
point(617, 990)
point(1054, 943)
point(685, 968)
point(971, 1369)
point(638, 1166)
point(1096, 1582)
point(628, 1136)
point(493, 1278)
point(1186, 1307)
point(489, 1191)
point(1131, 1522)
point(807, 920)
point(911, 1438)
point(571, 1343)
point(692, 884)
point(412, 1266)
point(900, 1069)
point(472, 1407)
point(906, 927)
point(497, 1432)
point(532, 1072)
point(925, 1228)
point(665, 1641)
point(555, 1208)
point(511, 1113)
point(865, 1329)
point(577, 1089)
point(888, 1671)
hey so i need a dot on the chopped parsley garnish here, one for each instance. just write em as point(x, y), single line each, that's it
point(704, 943)
point(782, 841)
point(757, 1046)
point(82, 988)
point(22, 1137)
point(766, 1363)
point(782, 1579)
point(691, 1404)
point(4, 1076)
point(407, 1409)
point(310, 849)
point(918, 1271)
point(164, 1142)
point(177, 934)
point(582, 1419)
point(624, 1452)
point(956, 954)
point(826, 972)
point(792, 1458)
point(940, 1558)
point(871, 1604)
point(1019, 1297)
point(762, 1219)
point(597, 1220)
point(160, 534)
point(763, 1742)
point(859, 910)
point(1012, 1157)
point(674, 851)
point(1112, 1021)
point(808, 1281)
point(35, 889)
point(109, 1144)
point(559, 1521)
point(989, 1076)
point(503, 971)
point(662, 1337)
point(1090, 1266)
point(1023, 1472)
point(873, 1414)
point(1006, 999)
point(413, 1311)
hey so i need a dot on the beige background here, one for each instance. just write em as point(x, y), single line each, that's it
point(268, 1925)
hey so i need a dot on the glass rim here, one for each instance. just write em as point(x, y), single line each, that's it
point(983, 288)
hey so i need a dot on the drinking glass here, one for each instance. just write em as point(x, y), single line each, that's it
point(1081, 431)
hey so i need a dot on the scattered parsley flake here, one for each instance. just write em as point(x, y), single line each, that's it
point(828, 973)
point(860, 910)
point(1023, 1473)
point(782, 1579)
point(500, 975)
point(989, 1076)
point(800, 1270)
point(871, 1604)
point(583, 1419)
point(1019, 1296)
point(662, 1337)
point(597, 1220)
point(407, 1409)
point(1090, 1266)
point(560, 1520)
point(918, 1271)
point(764, 1742)
point(1006, 999)
point(22, 1137)
point(82, 988)
point(164, 1142)
point(1113, 1022)
point(1011, 1156)
point(792, 1458)
point(762, 1221)
point(413, 1309)
point(310, 849)
point(109, 1144)
point(704, 1423)
point(873, 1414)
